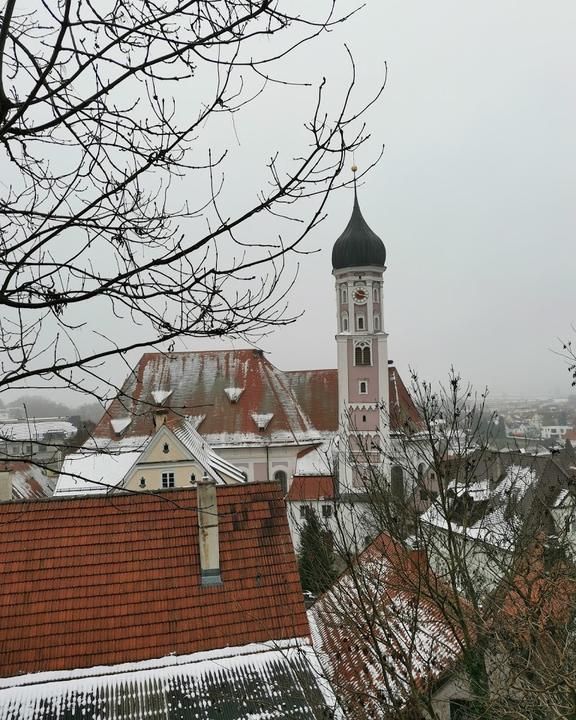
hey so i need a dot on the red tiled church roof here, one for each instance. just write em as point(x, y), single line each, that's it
point(107, 580)
point(317, 393)
point(196, 384)
point(301, 402)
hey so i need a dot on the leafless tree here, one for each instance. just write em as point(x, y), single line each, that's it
point(467, 594)
point(104, 108)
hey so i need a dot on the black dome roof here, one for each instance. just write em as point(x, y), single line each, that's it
point(358, 245)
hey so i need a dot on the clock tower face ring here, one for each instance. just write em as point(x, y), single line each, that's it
point(360, 295)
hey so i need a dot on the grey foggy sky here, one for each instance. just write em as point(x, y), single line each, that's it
point(473, 197)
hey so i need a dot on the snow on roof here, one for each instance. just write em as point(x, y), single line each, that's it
point(493, 522)
point(262, 420)
point(320, 460)
point(37, 429)
point(378, 633)
point(161, 395)
point(214, 465)
point(255, 682)
point(93, 473)
point(30, 481)
point(198, 381)
point(234, 393)
point(120, 424)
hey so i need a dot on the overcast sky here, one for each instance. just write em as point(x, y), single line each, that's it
point(473, 198)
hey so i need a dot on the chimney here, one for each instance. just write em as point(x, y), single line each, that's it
point(208, 531)
point(160, 418)
point(5, 484)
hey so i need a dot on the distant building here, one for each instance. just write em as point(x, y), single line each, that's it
point(42, 440)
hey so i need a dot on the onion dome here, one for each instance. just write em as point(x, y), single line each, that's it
point(358, 246)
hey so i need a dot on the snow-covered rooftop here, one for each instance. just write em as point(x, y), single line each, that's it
point(255, 682)
point(93, 472)
point(37, 430)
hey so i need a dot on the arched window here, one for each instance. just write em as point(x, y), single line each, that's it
point(344, 322)
point(344, 295)
point(363, 387)
point(362, 354)
point(281, 477)
point(376, 323)
point(397, 482)
point(376, 294)
point(360, 322)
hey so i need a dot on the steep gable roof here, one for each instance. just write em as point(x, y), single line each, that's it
point(382, 630)
point(107, 580)
point(227, 388)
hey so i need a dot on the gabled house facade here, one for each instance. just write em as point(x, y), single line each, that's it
point(175, 457)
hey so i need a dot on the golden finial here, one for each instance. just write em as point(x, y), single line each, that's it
point(354, 168)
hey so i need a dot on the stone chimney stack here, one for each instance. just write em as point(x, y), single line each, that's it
point(160, 418)
point(208, 531)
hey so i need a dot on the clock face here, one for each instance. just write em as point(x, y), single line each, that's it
point(360, 295)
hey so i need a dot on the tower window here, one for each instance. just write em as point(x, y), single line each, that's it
point(281, 477)
point(167, 479)
point(344, 322)
point(344, 295)
point(376, 294)
point(360, 322)
point(376, 322)
point(362, 355)
point(363, 387)
point(397, 482)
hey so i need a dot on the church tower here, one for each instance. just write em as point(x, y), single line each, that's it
point(358, 265)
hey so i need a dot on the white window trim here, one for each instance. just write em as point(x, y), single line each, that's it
point(360, 383)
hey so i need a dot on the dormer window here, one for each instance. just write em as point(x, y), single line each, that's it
point(360, 322)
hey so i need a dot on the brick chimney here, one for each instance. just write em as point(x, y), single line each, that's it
point(208, 532)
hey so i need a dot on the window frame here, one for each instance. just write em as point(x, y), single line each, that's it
point(167, 480)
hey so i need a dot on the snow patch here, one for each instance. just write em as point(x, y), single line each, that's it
point(262, 420)
point(161, 395)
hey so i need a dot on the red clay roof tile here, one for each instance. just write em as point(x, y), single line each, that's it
point(105, 580)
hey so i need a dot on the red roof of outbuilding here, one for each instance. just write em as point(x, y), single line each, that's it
point(311, 487)
point(107, 580)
